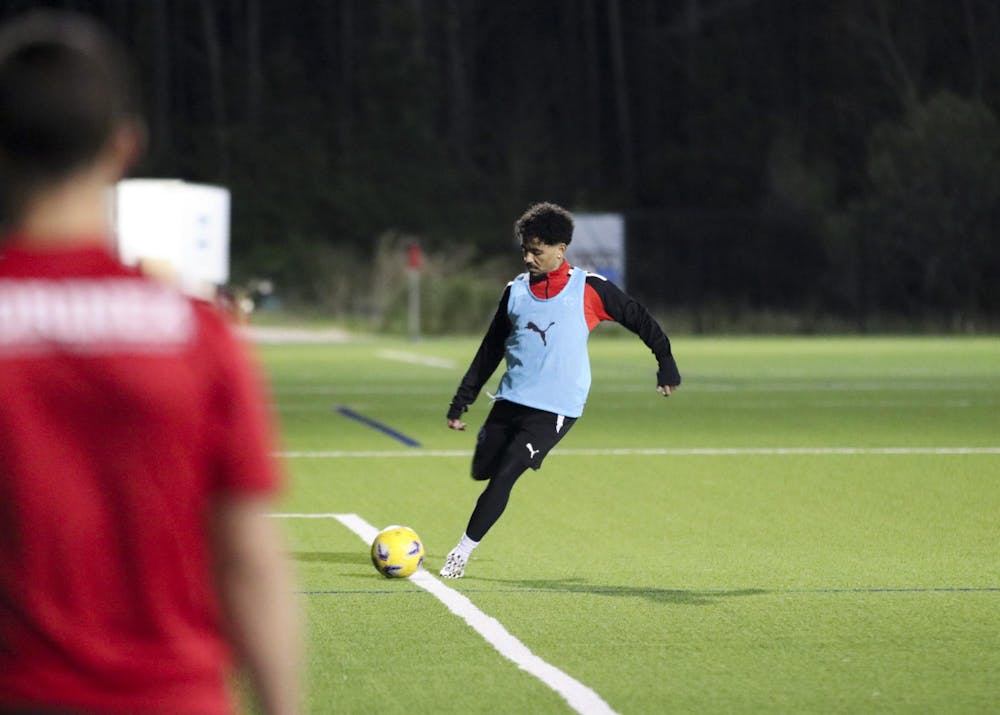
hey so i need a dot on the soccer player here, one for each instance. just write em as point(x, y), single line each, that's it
point(136, 559)
point(541, 327)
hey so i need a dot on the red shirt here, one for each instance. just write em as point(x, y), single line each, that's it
point(549, 285)
point(125, 411)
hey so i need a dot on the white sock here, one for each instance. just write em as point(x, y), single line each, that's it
point(466, 546)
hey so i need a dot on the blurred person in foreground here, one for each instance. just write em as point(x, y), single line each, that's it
point(136, 560)
point(540, 328)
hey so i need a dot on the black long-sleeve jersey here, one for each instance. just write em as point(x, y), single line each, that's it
point(603, 300)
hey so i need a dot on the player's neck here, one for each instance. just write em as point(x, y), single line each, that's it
point(72, 213)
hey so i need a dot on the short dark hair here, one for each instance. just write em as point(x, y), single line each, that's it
point(549, 223)
point(65, 85)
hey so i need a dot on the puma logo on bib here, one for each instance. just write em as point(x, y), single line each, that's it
point(532, 326)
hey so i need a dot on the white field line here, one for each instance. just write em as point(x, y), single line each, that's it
point(403, 356)
point(606, 387)
point(653, 452)
point(582, 699)
point(876, 386)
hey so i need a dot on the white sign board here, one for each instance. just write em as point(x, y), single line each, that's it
point(599, 245)
point(176, 224)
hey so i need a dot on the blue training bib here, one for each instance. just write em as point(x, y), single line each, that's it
point(548, 366)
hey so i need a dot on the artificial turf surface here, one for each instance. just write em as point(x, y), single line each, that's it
point(807, 525)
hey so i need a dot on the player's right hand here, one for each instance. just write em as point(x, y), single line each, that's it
point(456, 424)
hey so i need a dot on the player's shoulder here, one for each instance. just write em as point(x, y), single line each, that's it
point(213, 323)
point(601, 284)
point(520, 279)
point(595, 277)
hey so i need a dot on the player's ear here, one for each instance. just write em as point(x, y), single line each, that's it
point(126, 145)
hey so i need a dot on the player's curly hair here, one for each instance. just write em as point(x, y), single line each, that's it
point(549, 223)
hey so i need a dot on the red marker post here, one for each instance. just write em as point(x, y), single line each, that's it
point(414, 264)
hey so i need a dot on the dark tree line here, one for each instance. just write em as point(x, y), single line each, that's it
point(838, 157)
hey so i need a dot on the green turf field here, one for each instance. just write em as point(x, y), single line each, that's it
point(807, 526)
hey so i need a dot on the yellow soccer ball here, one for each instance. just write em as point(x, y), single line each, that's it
point(397, 552)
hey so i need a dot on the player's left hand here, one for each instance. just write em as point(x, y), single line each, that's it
point(666, 390)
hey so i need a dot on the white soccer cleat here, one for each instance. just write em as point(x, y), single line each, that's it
point(454, 565)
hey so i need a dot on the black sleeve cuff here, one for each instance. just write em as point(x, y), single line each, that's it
point(668, 373)
point(455, 411)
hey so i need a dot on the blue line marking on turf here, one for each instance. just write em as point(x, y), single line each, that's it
point(384, 429)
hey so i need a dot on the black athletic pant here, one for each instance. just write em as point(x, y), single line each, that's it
point(493, 500)
point(513, 438)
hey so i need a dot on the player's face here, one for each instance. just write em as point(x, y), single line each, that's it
point(541, 258)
